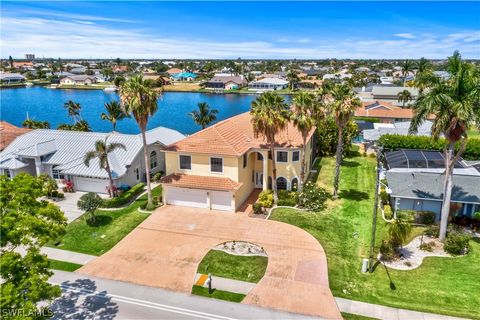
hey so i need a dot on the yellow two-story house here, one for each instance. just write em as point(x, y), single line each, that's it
point(220, 166)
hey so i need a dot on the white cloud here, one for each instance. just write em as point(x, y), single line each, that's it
point(405, 35)
point(77, 39)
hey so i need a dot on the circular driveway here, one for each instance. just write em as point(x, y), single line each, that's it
point(165, 250)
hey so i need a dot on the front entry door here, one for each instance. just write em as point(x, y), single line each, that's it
point(258, 179)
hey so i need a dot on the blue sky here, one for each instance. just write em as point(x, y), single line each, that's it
point(240, 29)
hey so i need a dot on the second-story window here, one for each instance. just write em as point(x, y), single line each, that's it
point(216, 164)
point(282, 156)
point(185, 162)
point(295, 155)
point(153, 160)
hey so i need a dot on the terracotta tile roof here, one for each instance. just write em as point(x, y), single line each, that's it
point(200, 182)
point(8, 133)
point(174, 71)
point(234, 136)
point(383, 109)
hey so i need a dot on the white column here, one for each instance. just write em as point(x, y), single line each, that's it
point(38, 166)
point(265, 170)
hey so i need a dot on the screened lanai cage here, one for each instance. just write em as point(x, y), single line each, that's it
point(417, 159)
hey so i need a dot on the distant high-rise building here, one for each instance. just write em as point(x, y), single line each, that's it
point(30, 56)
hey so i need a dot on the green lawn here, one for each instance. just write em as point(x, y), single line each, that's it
point(110, 228)
point(440, 285)
point(63, 265)
point(474, 133)
point(218, 294)
point(225, 265)
point(349, 316)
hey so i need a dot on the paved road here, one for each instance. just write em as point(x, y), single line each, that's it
point(86, 297)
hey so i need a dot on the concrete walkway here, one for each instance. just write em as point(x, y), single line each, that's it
point(63, 255)
point(387, 313)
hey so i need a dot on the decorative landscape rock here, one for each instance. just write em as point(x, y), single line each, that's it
point(241, 248)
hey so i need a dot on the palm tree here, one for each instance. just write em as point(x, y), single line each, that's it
point(34, 124)
point(102, 149)
point(407, 66)
point(341, 104)
point(424, 76)
point(303, 118)
point(140, 100)
point(292, 78)
point(398, 230)
point(270, 116)
point(455, 104)
point(114, 113)
point(73, 109)
point(204, 115)
point(404, 97)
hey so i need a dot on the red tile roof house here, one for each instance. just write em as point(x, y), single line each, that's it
point(220, 166)
point(8, 133)
point(386, 112)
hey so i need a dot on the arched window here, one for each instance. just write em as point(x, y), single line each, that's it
point(294, 184)
point(153, 159)
point(281, 183)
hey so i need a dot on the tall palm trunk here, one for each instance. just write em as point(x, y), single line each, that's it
point(274, 173)
point(147, 169)
point(111, 192)
point(447, 191)
point(338, 161)
point(302, 171)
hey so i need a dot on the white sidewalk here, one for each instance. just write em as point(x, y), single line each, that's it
point(63, 255)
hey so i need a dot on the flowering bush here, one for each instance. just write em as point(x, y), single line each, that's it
point(313, 197)
point(68, 186)
point(265, 198)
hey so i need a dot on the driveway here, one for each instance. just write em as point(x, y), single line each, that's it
point(69, 205)
point(165, 250)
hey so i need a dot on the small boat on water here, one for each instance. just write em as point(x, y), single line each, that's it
point(28, 84)
point(110, 89)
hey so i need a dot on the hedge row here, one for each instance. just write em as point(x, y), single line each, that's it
point(395, 142)
point(125, 197)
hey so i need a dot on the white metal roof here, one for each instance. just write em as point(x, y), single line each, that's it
point(67, 148)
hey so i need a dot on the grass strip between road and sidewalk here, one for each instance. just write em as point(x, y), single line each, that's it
point(218, 294)
point(63, 265)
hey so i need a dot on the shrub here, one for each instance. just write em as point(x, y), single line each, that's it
point(124, 198)
point(89, 202)
point(425, 217)
point(432, 231)
point(265, 198)
point(476, 215)
point(427, 246)
point(287, 198)
point(60, 195)
point(257, 208)
point(394, 142)
point(384, 196)
point(387, 250)
point(313, 197)
point(457, 243)
point(387, 210)
point(157, 176)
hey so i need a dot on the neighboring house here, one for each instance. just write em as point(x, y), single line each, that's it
point(416, 179)
point(184, 76)
point(391, 92)
point(78, 70)
point(401, 128)
point(9, 78)
point(268, 84)
point(118, 69)
point(226, 82)
point(385, 111)
point(173, 71)
point(219, 167)
point(78, 80)
point(22, 64)
point(309, 84)
point(8, 133)
point(60, 154)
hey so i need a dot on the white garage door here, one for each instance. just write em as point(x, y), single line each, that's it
point(91, 185)
point(221, 200)
point(187, 197)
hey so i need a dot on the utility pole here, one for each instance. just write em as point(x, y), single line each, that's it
point(374, 221)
